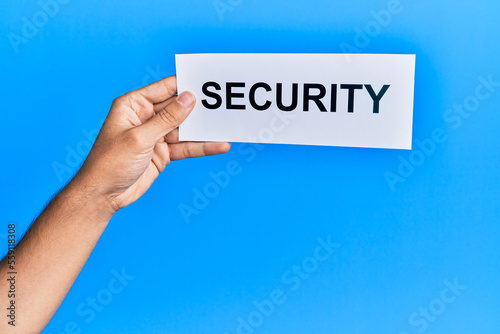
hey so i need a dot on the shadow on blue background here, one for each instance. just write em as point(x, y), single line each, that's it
point(400, 245)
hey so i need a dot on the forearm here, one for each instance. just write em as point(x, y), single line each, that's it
point(136, 142)
point(52, 254)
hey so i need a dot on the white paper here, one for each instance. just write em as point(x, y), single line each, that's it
point(391, 127)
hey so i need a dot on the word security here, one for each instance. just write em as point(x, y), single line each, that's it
point(236, 94)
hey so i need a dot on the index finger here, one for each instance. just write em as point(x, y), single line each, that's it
point(159, 91)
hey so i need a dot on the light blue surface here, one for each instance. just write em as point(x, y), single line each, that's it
point(397, 246)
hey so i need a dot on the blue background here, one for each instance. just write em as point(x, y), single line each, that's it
point(397, 245)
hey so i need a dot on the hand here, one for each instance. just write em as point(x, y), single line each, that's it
point(138, 139)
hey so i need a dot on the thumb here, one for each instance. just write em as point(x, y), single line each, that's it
point(169, 118)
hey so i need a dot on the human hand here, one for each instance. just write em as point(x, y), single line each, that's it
point(138, 139)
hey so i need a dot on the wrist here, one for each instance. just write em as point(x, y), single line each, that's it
point(87, 196)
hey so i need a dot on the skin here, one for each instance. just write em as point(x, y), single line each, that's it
point(137, 141)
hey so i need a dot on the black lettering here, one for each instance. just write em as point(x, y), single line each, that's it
point(316, 98)
point(376, 97)
point(279, 97)
point(218, 99)
point(230, 95)
point(351, 88)
point(252, 96)
point(333, 105)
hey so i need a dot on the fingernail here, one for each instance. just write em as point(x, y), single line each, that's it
point(186, 99)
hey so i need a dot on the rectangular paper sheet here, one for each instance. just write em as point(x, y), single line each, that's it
point(332, 124)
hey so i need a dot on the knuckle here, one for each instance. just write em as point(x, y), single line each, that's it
point(170, 85)
point(170, 116)
point(187, 151)
point(126, 99)
point(118, 101)
point(134, 138)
